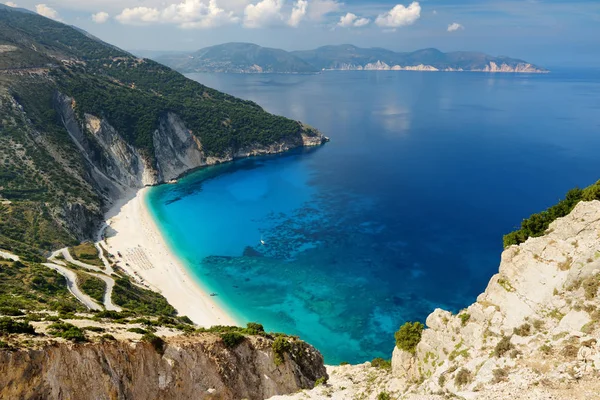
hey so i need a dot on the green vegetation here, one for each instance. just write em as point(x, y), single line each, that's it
point(139, 300)
point(523, 330)
point(29, 286)
point(503, 346)
point(381, 363)
point(67, 331)
point(463, 377)
point(321, 381)
point(384, 396)
point(590, 286)
point(157, 342)
point(92, 286)
point(232, 339)
point(280, 346)
point(464, 318)
point(87, 253)
point(500, 375)
point(537, 224)
point(137, 330)
point(409, 336)
point(9, 325)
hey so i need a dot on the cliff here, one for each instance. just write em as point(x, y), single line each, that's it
point(534, 333)
point(196, 367)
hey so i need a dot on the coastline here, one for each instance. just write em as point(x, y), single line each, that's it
point(132, 232)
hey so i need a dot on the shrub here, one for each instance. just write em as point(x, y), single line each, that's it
point(107, 336)
point(409, 336)
point(94, 329)
point(546, 349)
point(538, 324)
point(590, 285)
point(463, 377)
point(464, 318)
point(67, 331)
point(500, 374)
point(523, 330)
point(137, 330)
point(9, 325)
point(442, 380)
point(232, 339)
point(253, 328)
point(320, 381)
point(11, 311)
point(157, 342)
point(569, 351)
point(344, 363)
point(503, 346)
point(381, 363)
point(384, 396)
point(280, 346)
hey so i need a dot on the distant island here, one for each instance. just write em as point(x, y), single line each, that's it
point(251, 58)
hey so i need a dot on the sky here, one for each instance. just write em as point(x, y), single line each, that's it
point(546, 32)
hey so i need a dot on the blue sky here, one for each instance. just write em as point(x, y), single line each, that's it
point(548, 32)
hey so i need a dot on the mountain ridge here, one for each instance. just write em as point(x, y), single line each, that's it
point(246, 58)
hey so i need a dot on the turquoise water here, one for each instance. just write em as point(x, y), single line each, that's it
point(402, 212)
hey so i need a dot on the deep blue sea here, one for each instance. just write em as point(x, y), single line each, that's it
point(402, 212)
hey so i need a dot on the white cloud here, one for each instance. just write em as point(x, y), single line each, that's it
point(187, 14)
point(400, 16)
point(350, 20)
point(317, 9)
point(263, 13)
point(298, 13)
point(47, 12)
point(455, 26)
point(100, 17)
point(138, 15)
point(11, 4)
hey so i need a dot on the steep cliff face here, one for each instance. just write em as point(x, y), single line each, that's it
point(198, 367)
point(115, 166)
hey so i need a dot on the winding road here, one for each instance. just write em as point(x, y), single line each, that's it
point(71, 278)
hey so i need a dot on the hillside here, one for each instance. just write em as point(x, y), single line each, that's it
point(250, 58)
point(238, 58)
point(83, 122)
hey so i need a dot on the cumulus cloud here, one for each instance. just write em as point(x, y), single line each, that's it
point(263, 13)
point(455, 26)
point(317, 9)
point(298, 13)
point(351, 20)
point(187, 14)
point(47, 12)
point(100, 17)
point(11, 4)
point(400, 16)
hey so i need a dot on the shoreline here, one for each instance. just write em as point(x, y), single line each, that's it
point(132, 232)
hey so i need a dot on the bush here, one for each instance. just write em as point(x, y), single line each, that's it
point(320, 381)
point(590, 286)
point(9, 325)
point(280, 346)
point(67, 331)
point(409, 336)
point(384, 396)
point(500, 374)
point(546, 349)
point(107, 337)
point(503, 346)
point(381, 363)
point(94, 329)
point(344, 363)
point(463, 377)
point(157, 342)
point(232, 339)
point(253, 328)
point(464, 318)
point(523, 330)
point(11, 311)
point(137, 330)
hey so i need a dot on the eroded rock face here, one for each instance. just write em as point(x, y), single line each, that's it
point(199, 367)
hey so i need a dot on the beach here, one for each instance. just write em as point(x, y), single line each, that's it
point(134, 239)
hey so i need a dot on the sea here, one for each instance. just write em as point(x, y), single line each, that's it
point(402, 212)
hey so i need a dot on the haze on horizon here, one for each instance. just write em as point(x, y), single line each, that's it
point(546, 32)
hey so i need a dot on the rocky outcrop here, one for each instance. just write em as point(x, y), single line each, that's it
point(520, 68)
point(197, 367)
point(538, 319)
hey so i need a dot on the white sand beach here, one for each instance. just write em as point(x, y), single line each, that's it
point(144, 254)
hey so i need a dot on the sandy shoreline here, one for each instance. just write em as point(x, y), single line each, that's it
point(133, 233)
